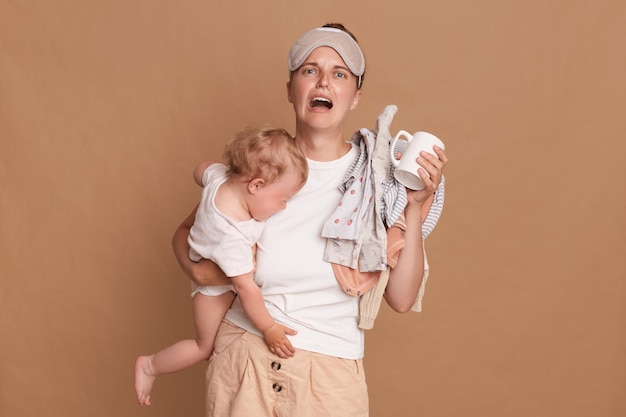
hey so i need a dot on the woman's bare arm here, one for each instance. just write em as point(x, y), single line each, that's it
point(406, 278)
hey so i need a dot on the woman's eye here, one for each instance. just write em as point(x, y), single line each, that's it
point(341, 75)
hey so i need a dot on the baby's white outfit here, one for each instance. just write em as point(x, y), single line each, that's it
point(221, 239)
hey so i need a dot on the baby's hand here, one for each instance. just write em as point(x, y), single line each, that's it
point(277, 342)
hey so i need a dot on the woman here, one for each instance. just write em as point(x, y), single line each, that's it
point(325, 376)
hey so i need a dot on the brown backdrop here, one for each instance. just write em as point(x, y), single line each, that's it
point(106, 107)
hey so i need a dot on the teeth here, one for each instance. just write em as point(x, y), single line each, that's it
point(321, 102)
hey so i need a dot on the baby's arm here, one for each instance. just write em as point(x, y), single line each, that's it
point(198, 173)
point(254, 306)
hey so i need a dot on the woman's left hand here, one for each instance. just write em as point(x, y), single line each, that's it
point(430, 173)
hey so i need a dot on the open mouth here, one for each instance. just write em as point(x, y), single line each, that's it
point(321, 102)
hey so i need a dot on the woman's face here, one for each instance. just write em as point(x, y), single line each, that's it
point(323, 90)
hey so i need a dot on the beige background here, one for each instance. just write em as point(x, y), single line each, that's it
point(106, 107)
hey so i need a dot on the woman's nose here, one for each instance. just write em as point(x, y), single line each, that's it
point(323, 80)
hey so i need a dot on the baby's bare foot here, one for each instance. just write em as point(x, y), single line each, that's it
point(144, 378)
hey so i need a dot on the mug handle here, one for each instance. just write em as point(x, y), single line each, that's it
point(392, 145)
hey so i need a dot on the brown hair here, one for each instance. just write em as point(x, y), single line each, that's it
point(264, 152)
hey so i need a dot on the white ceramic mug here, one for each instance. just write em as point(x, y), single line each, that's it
point(406, 166)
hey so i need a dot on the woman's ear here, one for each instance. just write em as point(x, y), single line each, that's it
point(255, 185)
point(355, 101)
point(289, 92)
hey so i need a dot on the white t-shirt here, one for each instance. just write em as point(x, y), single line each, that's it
point(299, 287)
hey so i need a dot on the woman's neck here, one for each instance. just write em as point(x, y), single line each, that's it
point(322, 147)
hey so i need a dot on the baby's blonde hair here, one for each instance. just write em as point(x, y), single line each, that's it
point(264, 152)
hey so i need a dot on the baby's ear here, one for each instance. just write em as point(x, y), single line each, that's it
point(255, 185)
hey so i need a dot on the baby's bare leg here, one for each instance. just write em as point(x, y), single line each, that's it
point(208, 312)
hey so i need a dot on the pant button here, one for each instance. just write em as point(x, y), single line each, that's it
point(277, 388)
point(276, 366)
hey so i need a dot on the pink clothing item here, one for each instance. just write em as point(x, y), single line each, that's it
point(356, 283)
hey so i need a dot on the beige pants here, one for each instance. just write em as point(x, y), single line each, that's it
point(245, 380)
